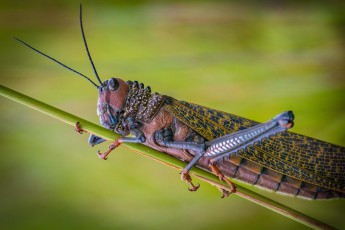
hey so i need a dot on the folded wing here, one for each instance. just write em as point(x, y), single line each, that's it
point(300, 157)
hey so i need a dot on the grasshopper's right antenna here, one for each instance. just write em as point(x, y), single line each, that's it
point(60, 63)
point(87, 48)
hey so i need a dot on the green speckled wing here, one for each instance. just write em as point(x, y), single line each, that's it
point(301, 157)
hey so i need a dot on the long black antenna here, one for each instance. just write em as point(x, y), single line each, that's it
point(60, 63)
point(87, 48)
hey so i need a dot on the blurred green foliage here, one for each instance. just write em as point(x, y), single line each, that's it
point(251, 59)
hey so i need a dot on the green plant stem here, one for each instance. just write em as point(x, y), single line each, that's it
point(161, 157)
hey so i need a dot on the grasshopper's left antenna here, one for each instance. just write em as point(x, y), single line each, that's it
point(60, 63)
point(87, 48)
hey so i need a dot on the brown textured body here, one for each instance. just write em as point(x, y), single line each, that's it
point(235, 167)
point(287, 162)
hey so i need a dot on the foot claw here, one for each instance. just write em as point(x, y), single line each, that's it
point(223, 178)
point(233, 187)
point(78, 129)
point(185, 176)
point(110, 148)
point(194, 188)
point(103, 156)
point(225, 193)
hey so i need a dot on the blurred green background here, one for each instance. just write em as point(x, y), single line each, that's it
point(254, 60)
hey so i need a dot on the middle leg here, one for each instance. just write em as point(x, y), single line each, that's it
point(165, 138)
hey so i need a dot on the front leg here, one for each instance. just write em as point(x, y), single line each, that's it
point(93, 139)
point(118, 142)
point(139, 137)
point(133, 127)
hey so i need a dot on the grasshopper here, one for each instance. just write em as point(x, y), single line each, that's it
point(230, 146)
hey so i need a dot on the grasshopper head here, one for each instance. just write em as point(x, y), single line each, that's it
point(111, 100)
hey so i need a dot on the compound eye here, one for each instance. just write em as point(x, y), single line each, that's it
point(113, 84)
